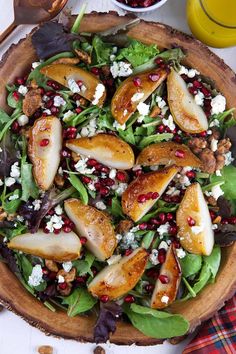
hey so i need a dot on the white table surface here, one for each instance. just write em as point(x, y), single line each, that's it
point(16, 336)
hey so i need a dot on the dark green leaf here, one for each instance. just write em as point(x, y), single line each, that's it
point(147, 239)
point(12, 102)
point(127, 135)
point(116, 209)
point(190, 264)
point(78, 185)
point(84, 266)
point(154, 138)
point(103, 50)
point(228, 177)
point(79, 301)
point(213, 261)
point(4, 118)
point(29, 187)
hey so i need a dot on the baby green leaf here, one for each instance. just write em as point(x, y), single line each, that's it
point(190, 264)
point(77, 184)
point(79, 301)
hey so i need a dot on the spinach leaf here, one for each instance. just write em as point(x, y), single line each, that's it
point(127, 135)
point(78, 185)
point(79, 301)
point(138, 53)
point(12, 102)
point(190, 264)
point(154, 138)
point(13, 231)
point(103, 50)
point(228, 177)
point(213, 261)
point(84, 266)
point(4, 118)
point(156, 324)
point(116, 209)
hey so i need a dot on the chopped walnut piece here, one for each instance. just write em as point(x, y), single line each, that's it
point(3, 215)
point(68, 276)
point(32, 102)
point(33, 84)
point(223, 146)
point(106, 70)
point(220, 161)
point(124, 226)
point(197, 144)
point(155, 112)
point(66, 291)
point(211, 200)
point(51, 265)
point(84, 56)
point(69, 61)
point(208, 160)
point(217, 220)
point(75, 157)
point(59, 180)
point(45, 349)
point(99, 350)
point(83, 101)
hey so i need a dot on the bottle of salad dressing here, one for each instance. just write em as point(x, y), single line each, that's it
point(213, 21)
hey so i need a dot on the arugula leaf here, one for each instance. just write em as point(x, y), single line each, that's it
point(138, 53)
point(154, 138)
point(147, 239)
point(127, 135)
point(190, 264)
point(79, 301)
point(103, 50)
point(116, 209)
point(105, 120)
point(14, 231)
point(84, 266)
point(156, 324)
point(78, 185)
point(226, 119)
point(228, 177)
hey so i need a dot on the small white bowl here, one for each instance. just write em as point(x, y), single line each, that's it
point(139, 9)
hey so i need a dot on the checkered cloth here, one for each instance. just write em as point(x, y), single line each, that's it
point(218, 335)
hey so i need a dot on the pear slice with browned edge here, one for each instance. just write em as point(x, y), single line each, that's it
point(69, 75)
point(193, 209)
point(59, 248)
point(94, 225)
point(124, 102)
point(153, 182)
point(105, 148)
point(44, 147)
point(189, 116)
point(117, 279)
point(167, 153)
point(165, 293)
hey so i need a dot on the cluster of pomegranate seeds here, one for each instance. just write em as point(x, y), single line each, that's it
point(191, 221)
point(54, 85)
point(142, 198)
point(138, 3)
point(129, 299)
point(163, 279)
point(44, 142)
point(152, 273)
point(180, 154)
point(161, 255)
point(104, 298)
point(70, 133)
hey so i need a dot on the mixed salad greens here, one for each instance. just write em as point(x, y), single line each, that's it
point(117, 179)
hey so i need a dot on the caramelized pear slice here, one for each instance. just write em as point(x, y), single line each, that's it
point(189, 116)
point(44, 147)
point(107, 149)
point(124, 103)
point(119, 278)
point(133, 204)
point(193, 209)
point(165, 293)
point(94, 225)
point(166, 153)
point(60, 248)
point(65, 73)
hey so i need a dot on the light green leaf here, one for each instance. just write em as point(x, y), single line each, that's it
point(79, 301)
point(78, 185)
point(138, 53)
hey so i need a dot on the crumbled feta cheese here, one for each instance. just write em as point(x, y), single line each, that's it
point(172, 191)
point(22, 90)
point(114, 259)
point(15, 170)
point(163, 229)
point(214, 226)
point(121, 69)
point(160, 102)
point(184, 180)
point(36, 276)
point(60, 171)
point(59, 101)
point(118, 237)
point(199, 98)
point(134, 229)
point(91, 186)
point(74, 87)
point(216, 191)
point(192, 73)
point(82, 168)
point(214, 143)
point(35, 64)
point(14, 196)
point(119, 188)
point(37, 204)
point(228, 158)
point(125, 112)
point(218, 173)
point(136, 168)
point(143, 108)
point(23, 120)
point(9, 181)
point(67, 115)
point(164, 245)
point(183, 70)
point(180, 253)
point(61, 279)
point(58, 210)
point(67, 266)
point(165, 299)
point(55, 222)
point(100, 205)
point(196, 229)
point(209, 132)
point(19, 218)
point(218, 104)
point(112, 173)
point(114, 50)
point(137, 96)
point(153, 257)
point(117, 125)
point(208, 194)
point(112, 57)
point(214, 123)
point(169, 122)
point(47, 111)
point(84, 132)
point(100, 89)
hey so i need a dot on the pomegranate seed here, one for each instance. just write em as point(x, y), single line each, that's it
point(152, 273)
point(173, 230)
point(177, 139)
point(45, 270)
point(149, 288)
point(63, 286)
point(161, 128)
point(49, 104)
point(128, 252)
point(176, 243)
point(97, 185)
point(129, 299)
point(91, 162)
point(52, 275)
point(184, 77)
point(86, 179)
point(104, 298)
point(107, 182)
point(155, 221)
point(50, 212)
point(192, 90)
point(205, 91)
point(104, 191)
point(65, 153)
point(79, 83)
point(121, 176)
point(105, 169)
point(83, 240)
point(45, 230)
point(179, 153)
point(154, 77)
point(20, 81)
point(81, 280)
point(95, 71)
point(191, 221)
point(149, 195)
point(161, 255)
point(42, 91)
point(37, 114)
point(142, 198)
point(151, 227)
point(162, 217)
point(44, 142)
point(203, 134)
point(56, 231)
point(143, 226)
point(212, 214)
point(159, 61)
point(66, 220)
point(163, 279)
point(197, 84)
point(191, 174)
point(94, 270)
point(224, 221)
point(98, 166)
point(49, 93)
point(137, 81)
point(155, 195)
point(232, 220)
point(138, 172)
point(79, 110)
point(15, 127)
point(71, 224)
point(169, 216)
point(16, 95)
point(54, 110)
point(66, 229)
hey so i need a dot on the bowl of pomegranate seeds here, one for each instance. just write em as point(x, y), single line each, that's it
point(139, 5)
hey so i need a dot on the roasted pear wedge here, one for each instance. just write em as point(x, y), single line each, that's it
point(44, 147)
point(107, 149)
point(124, 104)
point(60, 248)
point(166, 153)
point(94, 225)
point(119, 278)
point(68, 75)
point(193, 210)
point(165, 293)
point(187, 114)
point(135, 200)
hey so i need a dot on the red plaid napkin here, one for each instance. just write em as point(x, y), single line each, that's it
point(218, 335)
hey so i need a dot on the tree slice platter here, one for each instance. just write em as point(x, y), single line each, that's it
point(16, 62)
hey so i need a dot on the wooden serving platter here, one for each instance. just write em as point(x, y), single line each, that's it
point(16, 62)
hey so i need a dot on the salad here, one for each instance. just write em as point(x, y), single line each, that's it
point(117, 179)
